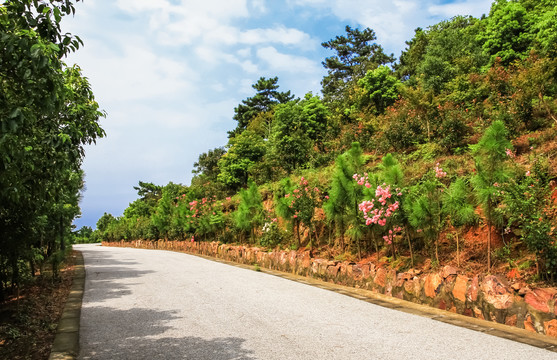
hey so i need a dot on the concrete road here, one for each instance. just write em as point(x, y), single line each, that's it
point(147, 304)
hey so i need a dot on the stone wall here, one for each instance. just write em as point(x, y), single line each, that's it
point(486, 297)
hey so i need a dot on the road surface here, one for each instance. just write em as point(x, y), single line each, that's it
point(150, 304)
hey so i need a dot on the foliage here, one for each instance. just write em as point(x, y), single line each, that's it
point(249, 215)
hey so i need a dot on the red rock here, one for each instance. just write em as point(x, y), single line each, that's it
point(409, 286)
point(478, 313)
point(306, 260)
point(292, 258)
point(333, 269)
point(511, 320)
point(460, 287)
point(365, 270)
point(539, 298)
point(529, 325)
point(431, 285)
point(448, 271)
point(380, 277)
point(442, 305)
point(414, 272)
point(357, 272)
point(473, 290)
point(453, 309)
point(496, 293)
point(550, 328)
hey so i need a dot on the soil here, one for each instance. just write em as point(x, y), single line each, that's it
point(28, 322)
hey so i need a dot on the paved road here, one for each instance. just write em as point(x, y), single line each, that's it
point(147, 304)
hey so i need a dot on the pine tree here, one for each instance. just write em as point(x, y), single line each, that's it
point(457, 209)
point(489, 155)
point(342, 206)
point(250, 210)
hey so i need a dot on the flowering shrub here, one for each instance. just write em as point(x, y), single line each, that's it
point(383, 208)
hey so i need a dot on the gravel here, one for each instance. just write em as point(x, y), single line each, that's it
point(149, 304)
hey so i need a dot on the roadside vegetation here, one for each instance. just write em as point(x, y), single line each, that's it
point(444, 155)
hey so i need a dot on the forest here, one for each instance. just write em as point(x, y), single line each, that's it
point(399, 160)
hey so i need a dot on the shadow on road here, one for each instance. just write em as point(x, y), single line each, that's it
point(137, 334)
point(106, 282)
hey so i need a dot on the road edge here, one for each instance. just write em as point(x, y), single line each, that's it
point(66, 342)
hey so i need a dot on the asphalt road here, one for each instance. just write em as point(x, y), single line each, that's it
point(148, 304)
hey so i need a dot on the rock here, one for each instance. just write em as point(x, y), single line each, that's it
point(448, 271)
point(357, 272)
point(365, 270)
point(380, 277)
point(431, 285)
point(333, 270)
point(550, 328)
point(511, 320)
point(409, 287)
point(460, 287)
point(472, 294)
point(529, 325)
point(539, 298)
point(478, 313)
point(496, 293)
point(306, 260)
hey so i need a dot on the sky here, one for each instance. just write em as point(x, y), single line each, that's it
point(169, 73)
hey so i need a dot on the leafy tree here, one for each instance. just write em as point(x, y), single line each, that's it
point(207, 164)
point(508, 32)
point(47, 114)
point(244, 151)
point(489, 155)
point(264, 100)
point(381, 89)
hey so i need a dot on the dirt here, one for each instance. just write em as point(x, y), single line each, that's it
point(28, 322)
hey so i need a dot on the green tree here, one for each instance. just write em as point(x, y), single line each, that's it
point(381, 89)
point(356, 53)
point(264, 100)
point(490, 155)
point(342, 206)
point(244, 151)
point(249, 215)
point(207, 164)
point(457, 209)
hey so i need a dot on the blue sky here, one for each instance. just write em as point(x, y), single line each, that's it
point(170, 72)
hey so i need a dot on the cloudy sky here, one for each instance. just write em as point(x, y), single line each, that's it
point(170, 72)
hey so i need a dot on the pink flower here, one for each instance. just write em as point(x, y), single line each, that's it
point(510, 153)
point(528, 173)
point(327, 197)
point(295, 216)
point(228, 198)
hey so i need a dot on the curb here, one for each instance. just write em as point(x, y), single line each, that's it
point(484, 326)
point(66, 342)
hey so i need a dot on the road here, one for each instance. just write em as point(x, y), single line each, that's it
point(148, 304)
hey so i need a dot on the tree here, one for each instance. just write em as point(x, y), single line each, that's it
point(356, 53)
point(489, 155)
point(207, 164)
point(508, 32)
point(342, 206)
point(263, 101)
point(249, 215)
point(47, 114)
point(244, 151)
point(458, 209)
point(381, 89)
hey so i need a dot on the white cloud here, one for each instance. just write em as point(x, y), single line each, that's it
point(394, 21)
point(286, 63)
